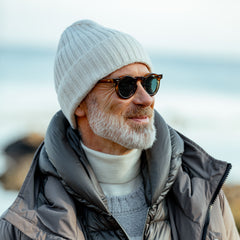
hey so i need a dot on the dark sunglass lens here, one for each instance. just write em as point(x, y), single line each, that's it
point(126, 87)
point(151, 84)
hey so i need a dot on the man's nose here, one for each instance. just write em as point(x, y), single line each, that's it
point(141, 97)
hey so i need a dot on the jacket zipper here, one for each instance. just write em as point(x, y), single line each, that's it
point(207, 219)
point(109, 214)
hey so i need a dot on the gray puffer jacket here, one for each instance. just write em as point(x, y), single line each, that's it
point(61, 197)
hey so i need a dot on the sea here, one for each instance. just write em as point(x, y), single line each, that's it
point(199, 96)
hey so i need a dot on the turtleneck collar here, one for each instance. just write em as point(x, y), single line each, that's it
point(117, 174)
point(114, 169)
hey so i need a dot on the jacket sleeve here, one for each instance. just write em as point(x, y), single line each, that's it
point(9, 232)
point(231, 230)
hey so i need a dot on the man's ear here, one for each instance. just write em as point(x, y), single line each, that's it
point(80, 110)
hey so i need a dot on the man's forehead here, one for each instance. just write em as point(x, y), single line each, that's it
point(134, 69)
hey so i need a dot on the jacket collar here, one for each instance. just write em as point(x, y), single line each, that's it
point(162, 161)
point(159, 162)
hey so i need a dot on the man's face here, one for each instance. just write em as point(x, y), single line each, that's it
point(126, 122)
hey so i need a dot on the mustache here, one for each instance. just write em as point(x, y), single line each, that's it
point(140, 111)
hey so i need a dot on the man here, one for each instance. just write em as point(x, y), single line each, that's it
point(110, 167)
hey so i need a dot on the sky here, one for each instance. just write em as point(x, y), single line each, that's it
point(210, 27)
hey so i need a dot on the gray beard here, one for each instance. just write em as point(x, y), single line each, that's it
point(115, 128)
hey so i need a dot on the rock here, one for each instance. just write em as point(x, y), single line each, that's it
point(25, 145)
point(19, 155)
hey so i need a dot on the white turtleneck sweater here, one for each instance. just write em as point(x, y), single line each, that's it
point(121, 181)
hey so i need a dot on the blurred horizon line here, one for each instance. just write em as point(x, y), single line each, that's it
point(179, 55)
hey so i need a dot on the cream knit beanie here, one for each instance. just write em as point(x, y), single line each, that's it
point(88, 52)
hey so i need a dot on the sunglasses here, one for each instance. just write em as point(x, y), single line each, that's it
point(126, 86)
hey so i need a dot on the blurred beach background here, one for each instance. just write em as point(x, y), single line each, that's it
point(194, 44)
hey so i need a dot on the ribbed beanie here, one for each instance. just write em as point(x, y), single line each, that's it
point(88, 52)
